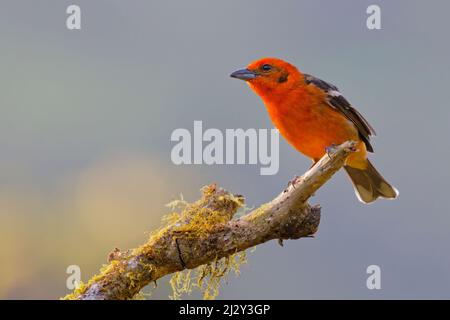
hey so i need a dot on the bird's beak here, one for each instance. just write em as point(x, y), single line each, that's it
point(244, 74)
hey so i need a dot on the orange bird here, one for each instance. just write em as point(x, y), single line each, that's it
point(312, 115)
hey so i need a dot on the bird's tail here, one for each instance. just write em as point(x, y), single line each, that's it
point(370, 185)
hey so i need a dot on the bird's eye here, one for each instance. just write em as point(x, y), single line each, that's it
point(266, 67)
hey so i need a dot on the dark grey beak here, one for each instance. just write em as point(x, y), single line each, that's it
point(244, 74)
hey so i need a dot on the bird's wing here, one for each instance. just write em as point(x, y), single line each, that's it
point(337, 101)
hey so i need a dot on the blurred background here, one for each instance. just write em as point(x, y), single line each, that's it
point(86, 118)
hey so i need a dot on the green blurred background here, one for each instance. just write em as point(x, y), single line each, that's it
point(86, 118)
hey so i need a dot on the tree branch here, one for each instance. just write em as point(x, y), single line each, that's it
point(207, 231)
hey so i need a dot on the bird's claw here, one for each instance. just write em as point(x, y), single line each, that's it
point(331, 149)
point(292, 183)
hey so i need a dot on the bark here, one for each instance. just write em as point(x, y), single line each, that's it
point(183, 244)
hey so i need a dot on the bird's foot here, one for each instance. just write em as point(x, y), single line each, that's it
point(331, 149)
point(291, 183)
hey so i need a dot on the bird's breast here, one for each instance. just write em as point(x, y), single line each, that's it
point(310, 126)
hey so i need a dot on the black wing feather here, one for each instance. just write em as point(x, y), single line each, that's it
point(337, 101)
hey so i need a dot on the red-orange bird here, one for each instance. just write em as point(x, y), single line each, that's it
point(313, 115)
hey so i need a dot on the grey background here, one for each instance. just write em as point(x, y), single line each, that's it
point(86, 118)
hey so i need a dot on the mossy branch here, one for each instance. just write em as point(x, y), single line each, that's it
point(206, 232)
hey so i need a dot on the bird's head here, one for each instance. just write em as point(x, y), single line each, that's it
point(269, 75)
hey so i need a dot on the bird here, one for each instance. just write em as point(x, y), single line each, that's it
point(314, 116)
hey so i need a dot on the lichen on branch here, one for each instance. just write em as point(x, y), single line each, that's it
point(203, 235)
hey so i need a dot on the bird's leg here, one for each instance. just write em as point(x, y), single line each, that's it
point(291, 183)
point(331, 149)
point(313, 164)
point(294, 180)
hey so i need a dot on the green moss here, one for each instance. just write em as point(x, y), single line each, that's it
point(104, 271)
point(198, 220)
point(140, 296)
point(257, 213)
point(208, 277)
point(187, 220)
point(77, 292)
